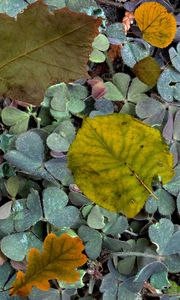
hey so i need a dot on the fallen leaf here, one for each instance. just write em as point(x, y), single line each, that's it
point(128, 20)
point(59, 259)
point(147, 70)
point(114, 52)
point(114, 160)
point(98, 88)
point(40, 48)
point(158, 26)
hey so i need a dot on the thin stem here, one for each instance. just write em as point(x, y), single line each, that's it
point(91, 285)
point(159, 295)
point(108, 2)
point(131, 233)
point(109, 63)
point(138, 254)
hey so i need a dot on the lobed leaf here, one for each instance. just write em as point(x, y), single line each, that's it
point(59, 259)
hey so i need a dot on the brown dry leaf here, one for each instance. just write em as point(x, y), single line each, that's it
point(114, 52)
point(59, 259)
point(147, 70)
point(41, 48)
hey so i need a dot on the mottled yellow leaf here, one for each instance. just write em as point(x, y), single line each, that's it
point(114, 159)
point(59, 260)
point(147, 70)
point(158, 26)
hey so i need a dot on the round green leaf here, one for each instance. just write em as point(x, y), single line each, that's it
point(57, 143)
point(97, 56)
point(101, 42)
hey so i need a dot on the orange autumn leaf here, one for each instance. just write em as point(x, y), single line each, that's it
point(158, 26)
point(128, 20)
point(59, 259)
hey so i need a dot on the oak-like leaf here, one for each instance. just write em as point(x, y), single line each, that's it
point(59, 259)
point(40, 48)
point(114, 160)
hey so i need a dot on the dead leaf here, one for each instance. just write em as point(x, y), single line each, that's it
point(98, 88)
point(114, 52)
point(41, 48)
point(157, 25)
point(59, 259)
point(147, 70)
point(114, 160)
point(128, 20)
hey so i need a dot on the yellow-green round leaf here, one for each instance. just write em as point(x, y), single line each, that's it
point(114, 159)
point(147, 70)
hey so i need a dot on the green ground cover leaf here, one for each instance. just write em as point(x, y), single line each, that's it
point(165, 203)
point(60, 52)
point(92, 239)
point(120, 89)
point(132, 52)
point(168, 85)
point(98, 158)
point(23, 241)
point(18, 120)
point(56, 210)
point(175, 56)
point(162, 234)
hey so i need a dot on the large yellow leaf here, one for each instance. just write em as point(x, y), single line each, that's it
point(59, 260)
point(40, 48)
point(114, 159)
point(158, 26)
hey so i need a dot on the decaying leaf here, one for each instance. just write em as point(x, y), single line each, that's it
point(157, 25)
point(40, 48)
point(114, 160)
point(59, 260)
point(147, 70)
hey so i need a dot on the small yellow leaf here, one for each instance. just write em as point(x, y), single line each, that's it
point(114, 160)
point(59, 260)
point(158, 26)
point(147, 70)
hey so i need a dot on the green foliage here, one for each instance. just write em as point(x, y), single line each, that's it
point(100, 44)
point(38, 193)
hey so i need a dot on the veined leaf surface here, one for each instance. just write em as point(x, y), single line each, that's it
point(59, 260)
point(157, 25)
point(40, 48)
point(114, 159)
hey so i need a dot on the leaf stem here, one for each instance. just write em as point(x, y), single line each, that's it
point(109, 63)
point(138, 254)
point(108, 2)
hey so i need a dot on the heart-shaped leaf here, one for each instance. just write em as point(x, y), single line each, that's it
point(55, 209)
point(112, 150)
point(60, 52)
